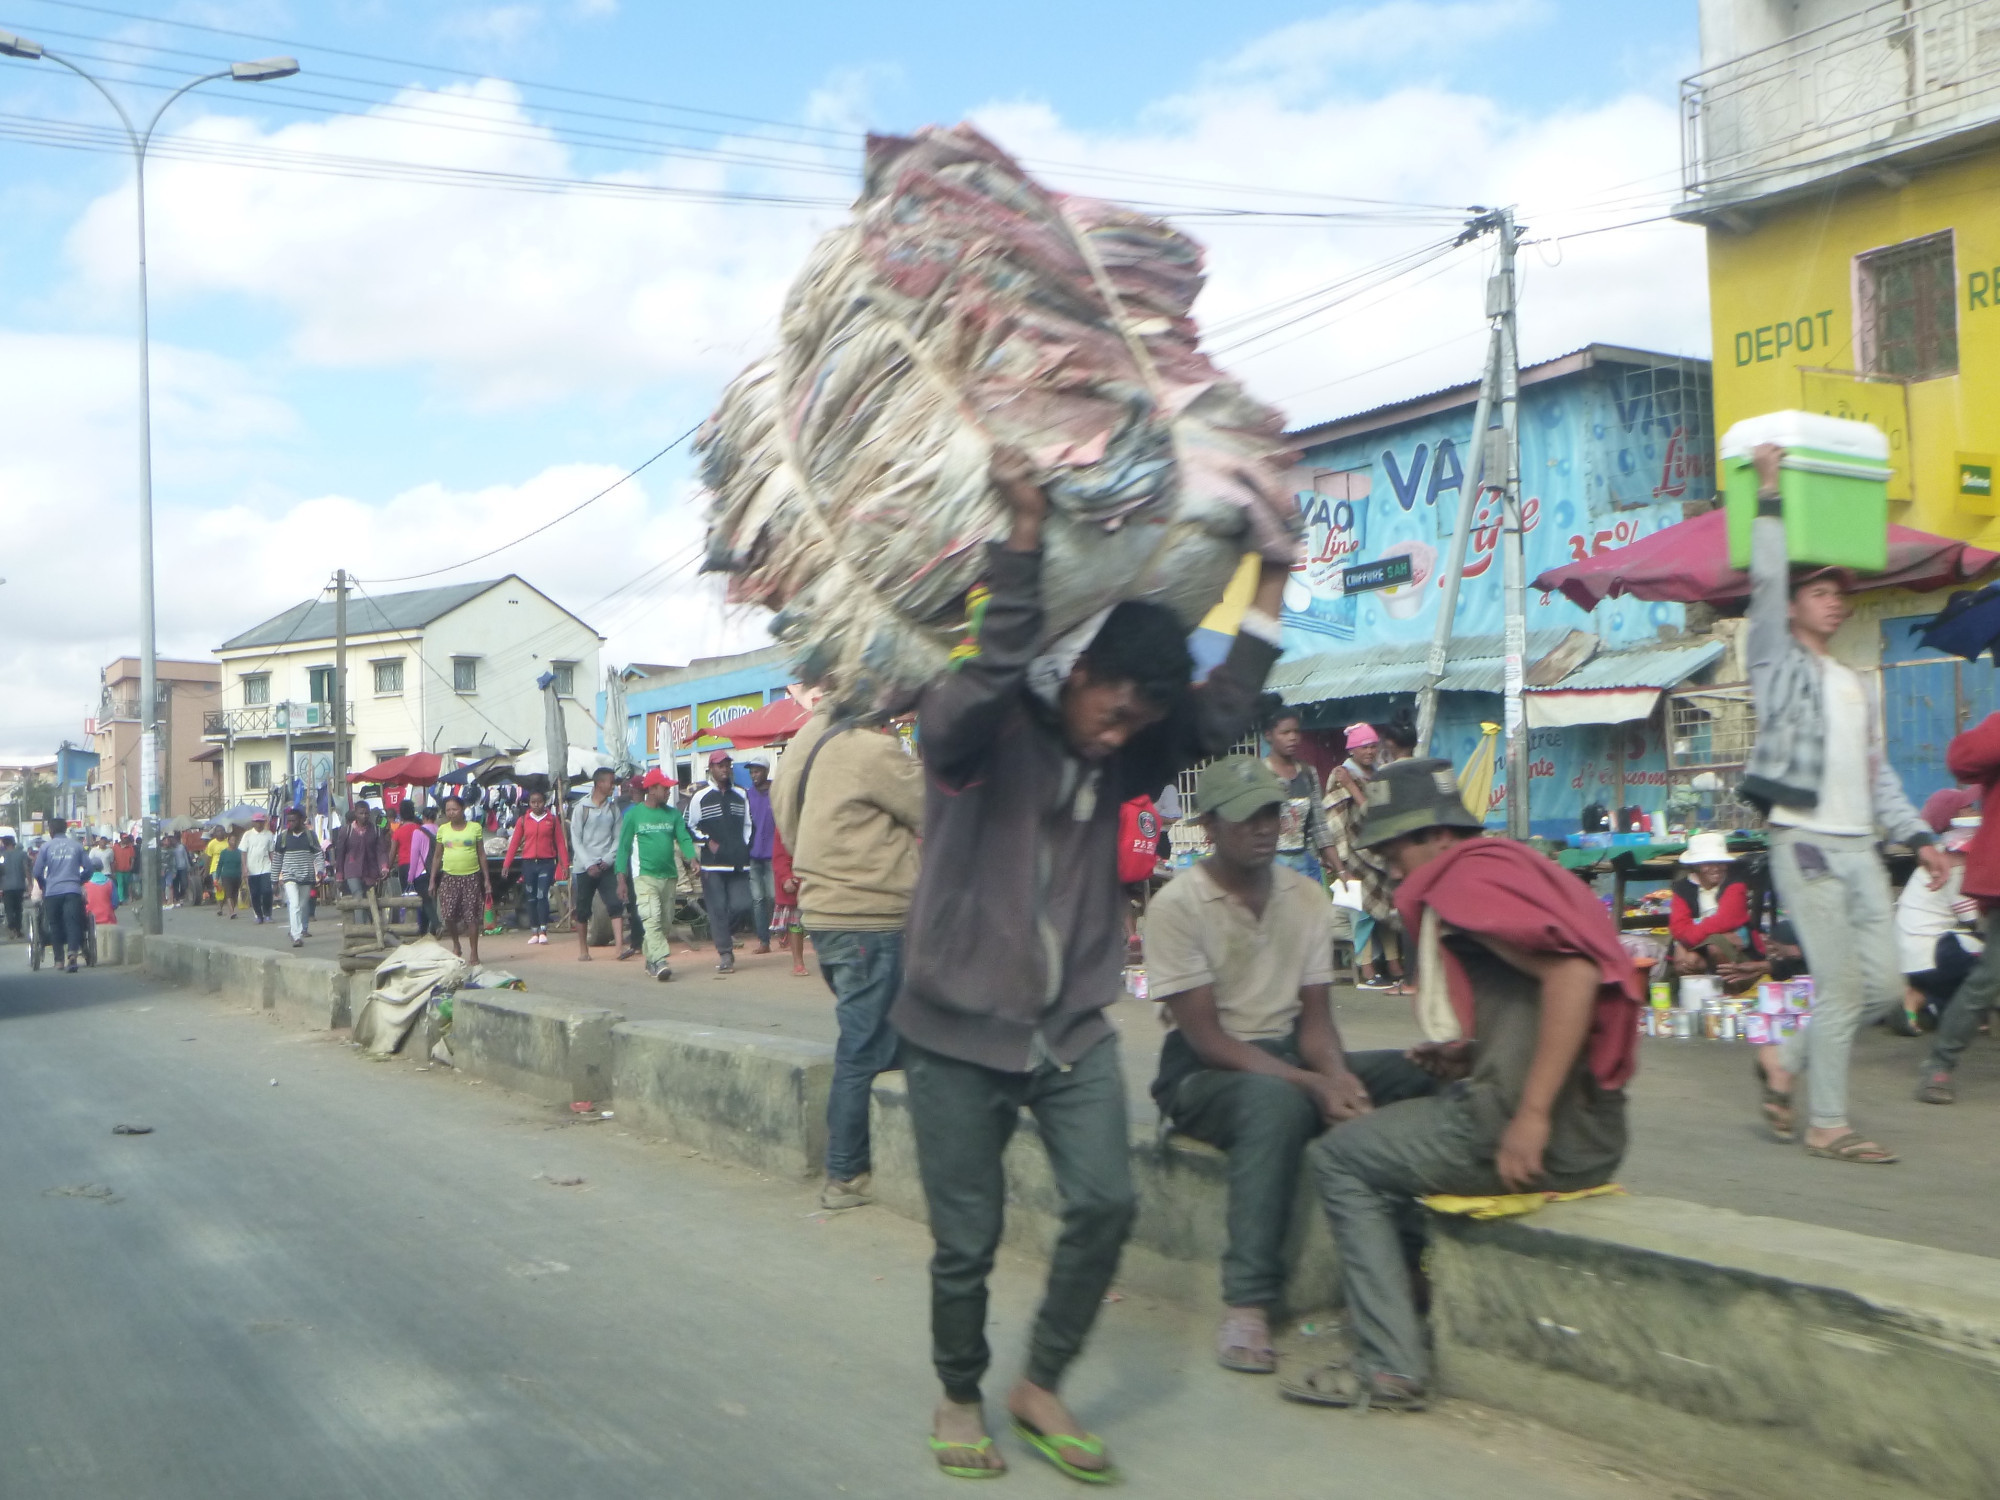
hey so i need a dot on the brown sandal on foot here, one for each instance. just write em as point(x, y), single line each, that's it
point(1339, 1385)
point(1855, 1147)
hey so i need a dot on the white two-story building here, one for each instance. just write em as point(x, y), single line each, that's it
point(450, 669)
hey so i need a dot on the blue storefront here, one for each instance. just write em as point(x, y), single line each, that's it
point(691, 707)
point(1614, 443)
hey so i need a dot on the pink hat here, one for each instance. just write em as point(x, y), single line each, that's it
point(1361, 734)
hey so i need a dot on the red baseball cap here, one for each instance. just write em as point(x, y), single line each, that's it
point(655, 777)
point(719, 758)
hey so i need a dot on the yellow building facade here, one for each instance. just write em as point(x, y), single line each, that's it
point(1788, 302)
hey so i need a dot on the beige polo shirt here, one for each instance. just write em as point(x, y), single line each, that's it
point(1198, 934)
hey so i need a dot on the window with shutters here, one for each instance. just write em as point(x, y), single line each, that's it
point(1907, 304)
point(320, 682)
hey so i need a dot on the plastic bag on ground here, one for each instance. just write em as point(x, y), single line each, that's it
point(966, 307)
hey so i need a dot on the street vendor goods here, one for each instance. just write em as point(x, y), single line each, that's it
point(963, 309)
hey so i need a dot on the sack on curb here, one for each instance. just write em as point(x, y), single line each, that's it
point(405, 983)
point(966, 307)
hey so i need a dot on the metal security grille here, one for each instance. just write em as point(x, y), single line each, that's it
point(1710, 728)
point(1909, 308)
point(1184, 835)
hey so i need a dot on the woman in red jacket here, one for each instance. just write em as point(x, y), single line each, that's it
point(539, 844)
point(1711, 912)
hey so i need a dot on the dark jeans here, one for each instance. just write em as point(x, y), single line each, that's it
point(864, 970)
point(726, 896)
point(963, 1116)
point(763, 898)
point(260, 896)
point(1973, 1002)
point(537, 875)
point(11, 901)
point(63, 923)
point(1265, 1124)
point(417, 880)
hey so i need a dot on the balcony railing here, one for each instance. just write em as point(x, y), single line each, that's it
point(271, 720)
point(1892, 77)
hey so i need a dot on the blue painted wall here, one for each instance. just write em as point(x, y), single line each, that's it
point(1601, 466)
point(1604, 461)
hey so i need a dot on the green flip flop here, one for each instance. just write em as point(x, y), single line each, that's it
point(1050, 1446)
point(939, 1448)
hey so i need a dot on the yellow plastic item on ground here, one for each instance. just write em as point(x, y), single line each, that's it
point(1509, 1205)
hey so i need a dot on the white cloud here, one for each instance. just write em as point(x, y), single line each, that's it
point(67, 471)
point(1360, 40)
point(508, 298)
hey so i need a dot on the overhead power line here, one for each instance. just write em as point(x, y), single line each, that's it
point(524, 536)
point(822, 137)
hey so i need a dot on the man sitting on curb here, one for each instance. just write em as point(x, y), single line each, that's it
point(1532, 1010)
point(1241, 950)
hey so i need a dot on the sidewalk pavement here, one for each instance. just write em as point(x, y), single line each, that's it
point(1695, 1130)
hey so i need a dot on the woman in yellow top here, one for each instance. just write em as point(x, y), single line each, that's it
point(458, 877)
point(212, 852)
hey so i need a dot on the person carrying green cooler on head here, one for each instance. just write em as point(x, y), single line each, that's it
point(647, 839)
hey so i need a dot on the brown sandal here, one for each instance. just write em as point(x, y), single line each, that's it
point(1855, 1147)
point(1338, 1385)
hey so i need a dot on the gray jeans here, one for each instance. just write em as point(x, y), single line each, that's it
point(1976, 997)
point(964, 1115)
point(1371, 1170)
point(1837, 894)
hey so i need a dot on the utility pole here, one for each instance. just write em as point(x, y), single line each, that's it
point(1499, 384)
point(339, 788)
point(1513, 576)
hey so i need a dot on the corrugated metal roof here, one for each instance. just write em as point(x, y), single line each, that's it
point(1464, 393)
point(1476, 665)
point(1661, 666)
point(366, 615)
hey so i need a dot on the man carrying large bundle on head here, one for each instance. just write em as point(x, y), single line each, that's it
point(1016, 942)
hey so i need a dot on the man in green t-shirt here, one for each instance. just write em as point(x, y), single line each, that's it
point(647, 873)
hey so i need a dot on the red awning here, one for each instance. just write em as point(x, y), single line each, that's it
point(418, 769)
point(779, 720)
point(1688, 563)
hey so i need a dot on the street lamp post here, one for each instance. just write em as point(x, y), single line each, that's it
point(261, 71)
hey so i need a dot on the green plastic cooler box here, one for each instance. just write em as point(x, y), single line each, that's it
point(1835, 484)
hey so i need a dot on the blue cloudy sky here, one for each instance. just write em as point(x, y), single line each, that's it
point(376, 347)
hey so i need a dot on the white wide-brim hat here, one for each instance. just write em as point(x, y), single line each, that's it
point(1707, 849)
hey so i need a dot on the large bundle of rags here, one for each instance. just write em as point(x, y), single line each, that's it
point(965, 307)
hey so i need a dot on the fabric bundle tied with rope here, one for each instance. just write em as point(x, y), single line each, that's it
point(965, 307)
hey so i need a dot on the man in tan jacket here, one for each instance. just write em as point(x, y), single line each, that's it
point(849, 802)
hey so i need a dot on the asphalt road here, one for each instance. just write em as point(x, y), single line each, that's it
point(324, 1277)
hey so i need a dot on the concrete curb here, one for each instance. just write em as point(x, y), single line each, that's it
point(1759, 1357)
point(311, 991)
point(747, 1097)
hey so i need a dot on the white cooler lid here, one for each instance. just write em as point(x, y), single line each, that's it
point(1807, 429)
